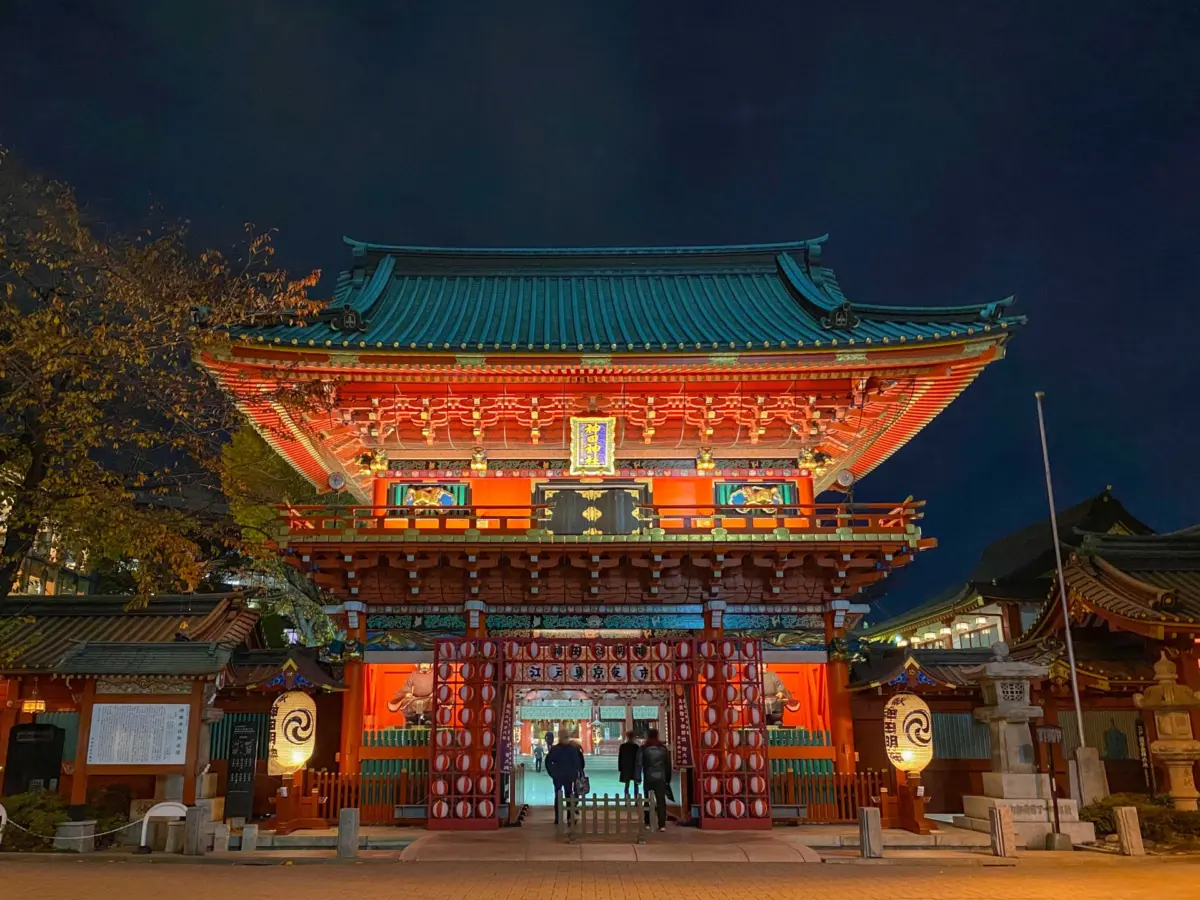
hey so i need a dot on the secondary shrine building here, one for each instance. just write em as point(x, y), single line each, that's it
point(584, 486)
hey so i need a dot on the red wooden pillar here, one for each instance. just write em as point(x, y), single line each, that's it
point(476, 614)
point(806, 499)
point(196, 731)
point(837, 680)
point(526, 738)
point(10, 707)
point(354, 699)
point(379, 496)
point(714, 619)
point(80, 777)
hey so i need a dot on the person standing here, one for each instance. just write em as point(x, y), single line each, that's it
point(627, 764)
point(538, 753)
point(564, 765)
point(656, 773)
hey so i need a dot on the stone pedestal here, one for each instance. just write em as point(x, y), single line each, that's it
point(1014, 782)
point(1176, 749)
point(77, 837)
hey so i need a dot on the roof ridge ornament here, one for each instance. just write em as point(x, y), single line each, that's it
point(840, 318)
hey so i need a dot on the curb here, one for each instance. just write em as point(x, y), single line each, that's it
point(940, 862)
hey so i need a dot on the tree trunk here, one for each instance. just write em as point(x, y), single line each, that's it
point(20, 534)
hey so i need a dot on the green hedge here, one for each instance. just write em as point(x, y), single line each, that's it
point(40, 813)
point(1159, 821)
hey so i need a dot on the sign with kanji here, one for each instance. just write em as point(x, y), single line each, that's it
point(592, 445)
point(138, 734)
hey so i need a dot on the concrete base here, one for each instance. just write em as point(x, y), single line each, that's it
point(1023, 810)
point(1032, 835)
point(1000, 784)
point(77, 837)
point(1057, 840)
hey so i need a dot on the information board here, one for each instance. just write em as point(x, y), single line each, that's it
point(138, 734)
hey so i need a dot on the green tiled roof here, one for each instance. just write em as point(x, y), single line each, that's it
point(165, 658)
point(738, 298)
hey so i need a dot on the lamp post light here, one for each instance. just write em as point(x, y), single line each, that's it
point(1048, 735)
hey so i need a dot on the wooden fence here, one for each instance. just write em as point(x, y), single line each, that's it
point(606, 817)
point(516, 793)
point(819, 797)
point(375, 796)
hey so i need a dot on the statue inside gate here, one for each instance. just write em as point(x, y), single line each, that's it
point(415, 697)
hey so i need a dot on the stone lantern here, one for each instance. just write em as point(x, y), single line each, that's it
point(1014, 781)
point(1176, 747)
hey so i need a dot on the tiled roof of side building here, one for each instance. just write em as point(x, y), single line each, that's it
point(1015, 566)
point(667, 299)
point(45, 631)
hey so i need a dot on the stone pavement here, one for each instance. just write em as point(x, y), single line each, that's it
point(1107, 879)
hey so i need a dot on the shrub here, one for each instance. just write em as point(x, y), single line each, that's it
point(1159, 821)
point(39, 813)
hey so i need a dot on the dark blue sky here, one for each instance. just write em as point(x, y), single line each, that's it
point(955, 152)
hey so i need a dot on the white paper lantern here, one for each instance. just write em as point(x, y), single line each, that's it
point(293, 733)
point(908, 732)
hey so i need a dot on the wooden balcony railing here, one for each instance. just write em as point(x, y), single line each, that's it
point(834, 521)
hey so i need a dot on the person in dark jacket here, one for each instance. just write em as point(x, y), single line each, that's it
point(564, 765)
point(655, 761)
point(627, 764)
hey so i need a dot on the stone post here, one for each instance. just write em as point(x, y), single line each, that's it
point(1129, 831)
point(76, 837)
point(249, 838)
point(347, 841)
point(1014, 781)
point(1004, 836)
point(193, 831)
point(870, 833)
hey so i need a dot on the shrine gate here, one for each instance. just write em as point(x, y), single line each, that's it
point(718, 680)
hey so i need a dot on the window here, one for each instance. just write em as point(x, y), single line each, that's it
point(981, 637)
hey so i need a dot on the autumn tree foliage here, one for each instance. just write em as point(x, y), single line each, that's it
point(109, 431)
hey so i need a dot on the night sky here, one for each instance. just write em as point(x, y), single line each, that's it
point(956, 152)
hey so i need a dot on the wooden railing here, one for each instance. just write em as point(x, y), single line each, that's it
point(405, 522)
point(606, 817)
point(822, 797)
point(375, 796)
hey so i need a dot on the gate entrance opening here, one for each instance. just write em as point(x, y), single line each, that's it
point(715, 717)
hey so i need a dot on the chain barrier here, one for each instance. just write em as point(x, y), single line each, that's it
point(9, 822)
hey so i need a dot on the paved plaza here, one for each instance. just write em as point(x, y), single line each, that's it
point(1096, 879)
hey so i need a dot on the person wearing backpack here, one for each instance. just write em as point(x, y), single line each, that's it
point(655, 761)
point(564, 765)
